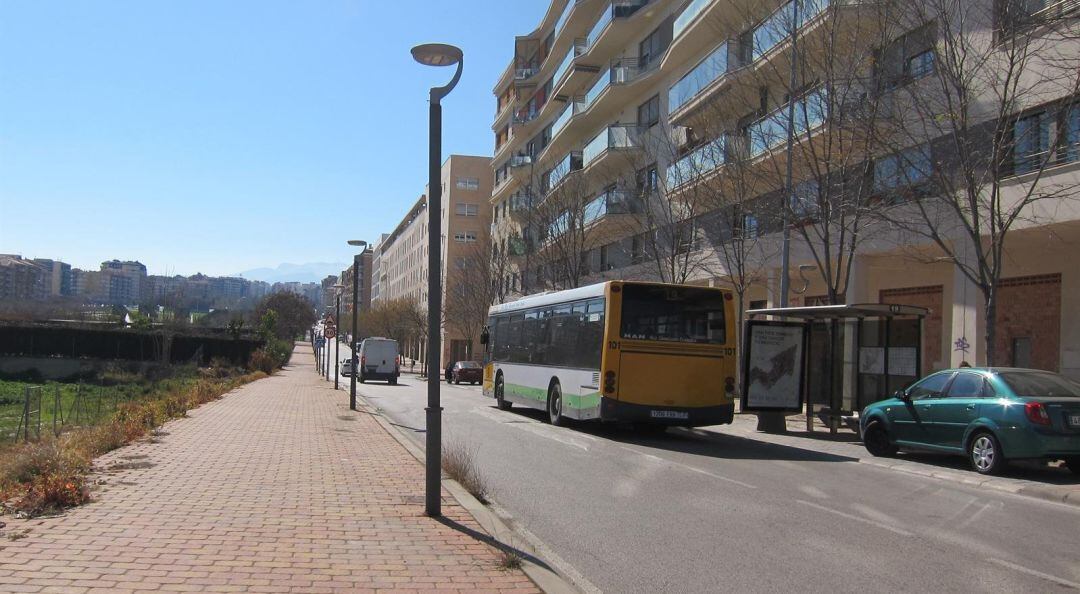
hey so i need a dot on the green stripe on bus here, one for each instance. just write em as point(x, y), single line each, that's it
point(587, 401)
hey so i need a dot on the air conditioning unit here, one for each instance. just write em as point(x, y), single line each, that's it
point(680, 135)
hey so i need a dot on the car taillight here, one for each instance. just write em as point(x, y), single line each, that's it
point(1036, 413)
point(363, 359)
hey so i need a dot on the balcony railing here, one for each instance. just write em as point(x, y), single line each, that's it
point(563, 119)
point(567, 165)
point(524, 73)
point(520, 204)
point(711, 68)
point(520, 160)
point(688, 15)
point(697, 163)
point(613, 201)
point(770, 131)
point(602, 82)
point(560, 72)
point(598, 28)
point(782, 23)
point(612, 137)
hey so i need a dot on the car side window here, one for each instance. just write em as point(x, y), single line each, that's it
point(966, 385)
point(929, 387)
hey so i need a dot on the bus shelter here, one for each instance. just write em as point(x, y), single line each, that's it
point(855, 354)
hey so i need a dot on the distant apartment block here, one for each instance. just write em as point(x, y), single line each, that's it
point(21, 279)
point(399, 261)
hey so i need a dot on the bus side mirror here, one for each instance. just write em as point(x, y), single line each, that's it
point(484, 336)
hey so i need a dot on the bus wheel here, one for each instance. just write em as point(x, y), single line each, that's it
point(503, 404)
point(555, 404)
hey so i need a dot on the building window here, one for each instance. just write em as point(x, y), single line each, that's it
point(466, 210)
point(468, 183)
point(1031, 140)
point(906, 168)
point(637, 249)
point(920, 65)
point(462, 263)
point(650, 49)
point(749, 226)
point(805, 197)
point(1070, 135)
point(684, 237)
point(648, 180)
point(648, 113)
point(465, 237)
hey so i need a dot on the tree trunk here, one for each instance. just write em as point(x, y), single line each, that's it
point(990, 319)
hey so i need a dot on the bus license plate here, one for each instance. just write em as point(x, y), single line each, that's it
point(668, 414)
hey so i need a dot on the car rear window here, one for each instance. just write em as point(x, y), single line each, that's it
point(1040, 384)
point(469, 365)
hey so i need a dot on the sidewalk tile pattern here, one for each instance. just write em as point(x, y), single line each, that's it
point(277, 487)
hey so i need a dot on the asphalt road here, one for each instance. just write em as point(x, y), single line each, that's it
point(683, 512)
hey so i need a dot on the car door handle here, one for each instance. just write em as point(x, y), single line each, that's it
point(970, 407)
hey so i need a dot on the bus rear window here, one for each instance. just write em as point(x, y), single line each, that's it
point(676, 314)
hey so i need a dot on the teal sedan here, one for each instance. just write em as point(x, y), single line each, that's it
point(990, 415)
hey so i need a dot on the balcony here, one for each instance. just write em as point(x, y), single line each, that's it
point(811, 111)
point(615, 201)
point(714, 66)
point(611, 138)
point(567, 165)
point(606, 36)
point(520, 160)
point(519, 205)
point(563, 119)
point(696, 164)
point(687, 16)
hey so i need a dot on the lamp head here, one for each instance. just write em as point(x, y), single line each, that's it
point(357, 242)
point(436, 54)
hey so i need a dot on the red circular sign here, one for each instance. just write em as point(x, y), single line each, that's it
point(330, 332)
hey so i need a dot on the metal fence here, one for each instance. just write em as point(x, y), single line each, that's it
point(29, 412)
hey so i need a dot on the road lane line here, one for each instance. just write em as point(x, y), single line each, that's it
point(660, 460)
point(895, 530)
point(1035, 573)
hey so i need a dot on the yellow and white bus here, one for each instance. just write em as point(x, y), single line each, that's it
point(616, 351)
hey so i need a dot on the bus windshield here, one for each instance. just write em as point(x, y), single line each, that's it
point(676, 314)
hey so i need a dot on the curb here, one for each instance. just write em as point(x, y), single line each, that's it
point(544, 578)
point(1033, 491)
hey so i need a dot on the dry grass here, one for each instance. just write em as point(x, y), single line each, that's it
point(51, 474)
point(459, 463)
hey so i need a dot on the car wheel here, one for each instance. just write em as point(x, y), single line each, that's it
point(503, 404)
point(1073, 464)
point(362, 378)
point(555, 405)
point(393, 381)
point(984, 453)
point(457, 381)
point(876, 441)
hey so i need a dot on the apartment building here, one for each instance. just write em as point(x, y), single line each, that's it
point(57, 277)
point(363, 283)
point(400, 260)
point(682, 140)
point(21, 279)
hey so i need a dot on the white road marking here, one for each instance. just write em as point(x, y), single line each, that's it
point(975, 516)
point(893, 529)
point(1035, 573)
point(660, 460)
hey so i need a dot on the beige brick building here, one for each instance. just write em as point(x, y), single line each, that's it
point(400, 260)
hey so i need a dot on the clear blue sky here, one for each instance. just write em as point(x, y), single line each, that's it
point(218, 136)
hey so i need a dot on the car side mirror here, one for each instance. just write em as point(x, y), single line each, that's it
point(902, 395)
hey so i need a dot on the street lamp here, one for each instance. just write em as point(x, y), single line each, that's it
point(435, 54)
point(337, 337)
point(355, 316)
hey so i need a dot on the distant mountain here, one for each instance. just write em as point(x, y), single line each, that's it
point(311, 272)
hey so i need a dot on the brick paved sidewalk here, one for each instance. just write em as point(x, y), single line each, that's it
point(277, 487)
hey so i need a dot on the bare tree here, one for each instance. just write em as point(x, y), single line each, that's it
point(986, 104)
point(472, 286)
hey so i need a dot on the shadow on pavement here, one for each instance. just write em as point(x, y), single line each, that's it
point(1029, 470)
point(486, 539)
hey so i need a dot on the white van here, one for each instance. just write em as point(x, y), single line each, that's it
point(379, 360)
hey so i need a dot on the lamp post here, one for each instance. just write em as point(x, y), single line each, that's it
point(355, 315)
point(435, 54)
point(337, 336)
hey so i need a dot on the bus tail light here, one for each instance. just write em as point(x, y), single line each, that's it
point(729, 386)
point(609, 382)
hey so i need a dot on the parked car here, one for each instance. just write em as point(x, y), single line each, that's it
point(346, 367)
point(466, 371)
point(379, 360)
point(990, 415)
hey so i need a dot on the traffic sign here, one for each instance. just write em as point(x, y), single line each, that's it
point(330, 320)
point(330, 332)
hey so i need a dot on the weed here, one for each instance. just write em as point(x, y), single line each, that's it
point(458, 461)
point(509, 559)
